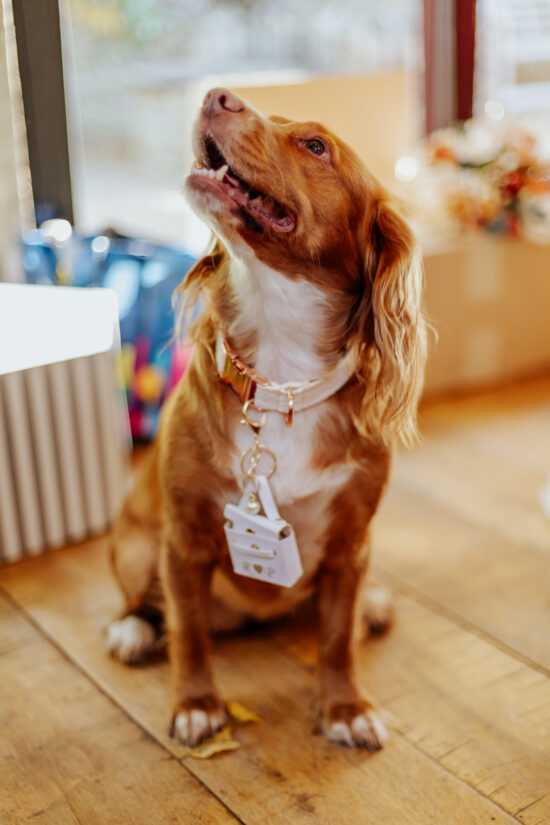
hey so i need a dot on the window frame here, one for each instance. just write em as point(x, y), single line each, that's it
point(39, 54)
point(448, 87)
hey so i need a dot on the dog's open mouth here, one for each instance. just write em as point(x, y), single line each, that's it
point(259, 208)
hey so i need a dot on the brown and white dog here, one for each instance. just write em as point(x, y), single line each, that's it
point(311, 268)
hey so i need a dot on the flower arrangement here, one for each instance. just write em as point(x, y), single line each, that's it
point(480, 176)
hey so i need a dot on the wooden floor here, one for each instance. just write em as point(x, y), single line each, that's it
point(462, 541)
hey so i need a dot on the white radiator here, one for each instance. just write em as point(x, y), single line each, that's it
point(63, 424)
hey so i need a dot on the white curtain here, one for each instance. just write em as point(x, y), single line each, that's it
point(10, 266)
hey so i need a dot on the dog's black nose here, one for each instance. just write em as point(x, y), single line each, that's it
point(218, 99)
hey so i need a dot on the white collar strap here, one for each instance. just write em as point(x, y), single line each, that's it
point(268, 396)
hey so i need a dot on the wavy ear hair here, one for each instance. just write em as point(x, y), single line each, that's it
point(188, 292)
point(390, 328)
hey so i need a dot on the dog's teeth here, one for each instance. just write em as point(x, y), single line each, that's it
point(221, 171)
point(211, 173)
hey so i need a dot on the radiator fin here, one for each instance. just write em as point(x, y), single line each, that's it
point(47, 470)
point(63, 454)
point(24, 470)
point(11, 544)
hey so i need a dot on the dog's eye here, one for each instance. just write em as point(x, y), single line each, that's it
point(316, 146)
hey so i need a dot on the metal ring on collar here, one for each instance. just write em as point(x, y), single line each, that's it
point(256, 426)
point(251, 471)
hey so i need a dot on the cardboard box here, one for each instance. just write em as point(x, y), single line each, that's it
point(489, 300)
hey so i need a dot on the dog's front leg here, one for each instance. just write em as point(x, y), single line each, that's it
point(347, 716)
point(186, 575)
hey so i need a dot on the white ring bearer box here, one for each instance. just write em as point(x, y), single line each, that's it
point(262, 547)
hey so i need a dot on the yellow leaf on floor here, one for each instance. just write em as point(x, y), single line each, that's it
point(220, 742)
point(240, 714)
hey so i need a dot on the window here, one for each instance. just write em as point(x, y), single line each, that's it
point(513, 63)
point(136, 71)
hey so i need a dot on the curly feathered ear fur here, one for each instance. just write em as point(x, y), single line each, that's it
point(391, 328)
point(211, 270)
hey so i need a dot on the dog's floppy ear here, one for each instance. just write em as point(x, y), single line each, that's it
point(187, 293)
point(204, 267)
point(390, 326)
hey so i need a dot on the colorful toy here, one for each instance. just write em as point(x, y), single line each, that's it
point(144, 277)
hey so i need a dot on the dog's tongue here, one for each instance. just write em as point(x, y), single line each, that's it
point(259, 206)
point(231, 178)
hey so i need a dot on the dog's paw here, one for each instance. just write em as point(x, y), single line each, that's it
point(129, 640)
point(196, 720)
point(377, 604)
point(356, 725)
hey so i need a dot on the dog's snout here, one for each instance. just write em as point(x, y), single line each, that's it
point(216, 100)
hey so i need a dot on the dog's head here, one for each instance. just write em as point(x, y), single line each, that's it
point(300, 200)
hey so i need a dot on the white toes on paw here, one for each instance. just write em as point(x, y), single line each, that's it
point(340, 733)
point(369, 731)
point(192, 726)
point(377, 608)
point(130, 639)
point(365, 731)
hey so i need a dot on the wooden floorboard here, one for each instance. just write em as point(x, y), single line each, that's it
point(283, 773)
point(495, 584)
point(468, 705)
point(69, 755)
point(463, 674)
point(462, 522)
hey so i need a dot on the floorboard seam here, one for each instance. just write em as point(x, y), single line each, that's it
point(296, 659)
point(306, 666)
point(444, 508)
point(51, 640)
point(458, 778)
point(291, 656)
point(440, 609)
point(530, 804)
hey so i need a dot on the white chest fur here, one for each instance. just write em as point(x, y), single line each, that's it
point(288, 318)
point(296, 477)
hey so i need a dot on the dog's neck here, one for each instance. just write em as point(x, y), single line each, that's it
point(278, 324)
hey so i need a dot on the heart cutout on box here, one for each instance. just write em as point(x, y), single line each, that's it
point(258, 568)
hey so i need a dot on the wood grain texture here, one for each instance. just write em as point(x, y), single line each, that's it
point(480, 713)
point(496, 585)
point(283, 773)
point(68, 755)
point(463, 674)
point(462, 522)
